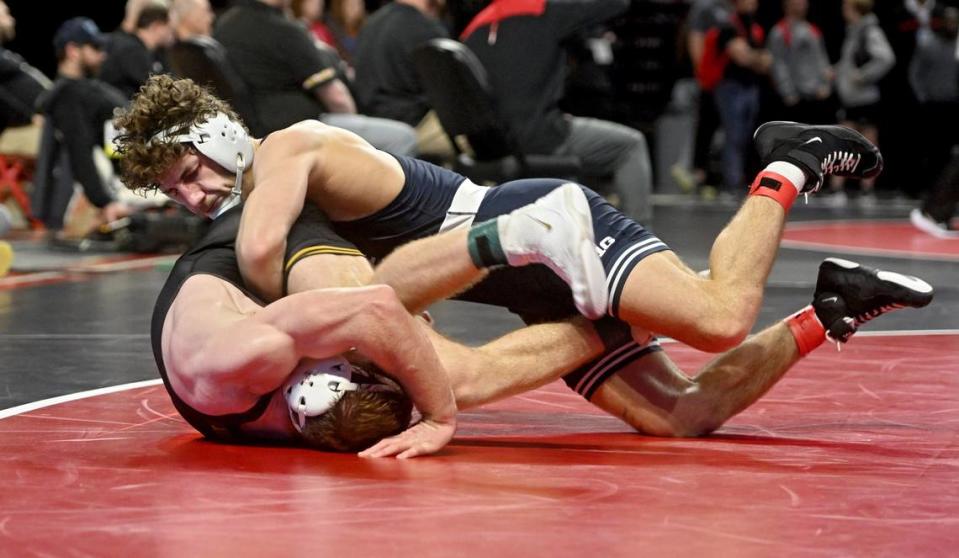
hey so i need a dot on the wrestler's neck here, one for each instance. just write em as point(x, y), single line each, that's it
point(275, 422)
point(249, 182)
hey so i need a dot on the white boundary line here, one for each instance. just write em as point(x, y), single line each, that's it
point(845, 249)
point(27, 407)
point(889, 333)
point(800, 226)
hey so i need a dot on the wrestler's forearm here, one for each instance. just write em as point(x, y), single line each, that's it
point(259, 254)
point(280, 177)
point(517, 362)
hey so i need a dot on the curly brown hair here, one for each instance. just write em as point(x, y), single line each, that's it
point(161, 104)
point(358, 420)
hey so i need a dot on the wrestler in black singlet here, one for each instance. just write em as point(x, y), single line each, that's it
point(215, 254)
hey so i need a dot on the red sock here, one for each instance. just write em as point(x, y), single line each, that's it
point(807, 329)
point(776, 186)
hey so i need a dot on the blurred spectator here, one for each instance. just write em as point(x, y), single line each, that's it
point(195, 54)
point(934, 216)
point(386, 80)
point(20, 83)
point(801, 70)
point(922, 11)
point(521, 45)
point(866, 57)
point(190, 19)
point(345, 19)
point(934, 73)
point(735, 48)
point(131, 14)
point(132, 58)
point(310, 12)
point(291, 80)
point(76, 108)
point(703, 16)
point(933, 77)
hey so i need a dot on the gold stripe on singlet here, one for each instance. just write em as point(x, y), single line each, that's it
point(315, 250)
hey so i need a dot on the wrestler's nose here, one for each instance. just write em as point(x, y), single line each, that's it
point(192, 195)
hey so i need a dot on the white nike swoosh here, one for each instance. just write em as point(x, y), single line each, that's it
point(541, 222)
point(907, 281)
point(813, 140)
point(831, 299)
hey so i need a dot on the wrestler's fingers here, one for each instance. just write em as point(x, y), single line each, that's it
point(418, 449)
point(376, 451)
point(384, 448)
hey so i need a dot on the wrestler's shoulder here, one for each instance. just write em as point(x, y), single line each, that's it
point(306, 134)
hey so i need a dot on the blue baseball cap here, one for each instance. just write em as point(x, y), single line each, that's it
point(79, 30)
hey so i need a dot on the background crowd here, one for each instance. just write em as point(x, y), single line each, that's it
point(582, 85)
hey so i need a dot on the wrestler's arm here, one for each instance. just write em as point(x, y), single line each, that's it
point(281, 174)
point(514, 363)
point(254, 354)
point(332, 167)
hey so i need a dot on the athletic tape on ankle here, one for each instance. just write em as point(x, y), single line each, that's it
point(806, 329)
point(776, 186)
point(484, 245)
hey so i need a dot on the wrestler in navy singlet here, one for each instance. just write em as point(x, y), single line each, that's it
point(215, 254)
point(434, 199)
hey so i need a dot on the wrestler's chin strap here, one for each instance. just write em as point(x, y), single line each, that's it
point(234, 198)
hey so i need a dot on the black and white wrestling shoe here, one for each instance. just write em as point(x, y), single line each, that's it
point(819, 151)
point(849, 295)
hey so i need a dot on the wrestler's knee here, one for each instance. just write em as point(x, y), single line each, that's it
point(728, 319)
point(697, 413)
point(671, 426)
point(720, 333)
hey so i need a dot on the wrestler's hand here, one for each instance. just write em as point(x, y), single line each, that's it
point(425, 437)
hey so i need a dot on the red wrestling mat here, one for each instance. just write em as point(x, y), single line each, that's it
point(854, 453)
point(883, 238)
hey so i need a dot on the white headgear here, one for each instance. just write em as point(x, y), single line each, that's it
point(225, 142)
point(315, 386)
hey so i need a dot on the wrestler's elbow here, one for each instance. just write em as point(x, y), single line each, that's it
point(698, 419)
point(381, 306)
point(255, 251)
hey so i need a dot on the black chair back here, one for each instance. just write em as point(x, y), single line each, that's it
point(204, 60)
point(458, 89)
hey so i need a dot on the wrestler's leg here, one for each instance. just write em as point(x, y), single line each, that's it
point(715, 312)
point(516, 362)
point(655, 397)
point(524, 222)
point(652, 395)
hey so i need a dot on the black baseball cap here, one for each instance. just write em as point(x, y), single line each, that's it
point(79, 30)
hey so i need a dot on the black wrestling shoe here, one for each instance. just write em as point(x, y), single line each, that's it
point(818, 150)
point(849, 295)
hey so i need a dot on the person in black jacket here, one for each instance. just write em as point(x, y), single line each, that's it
point(132, 57)
point(20, 83)
point(291, 80)
point(77, 107)
point(520, 43)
